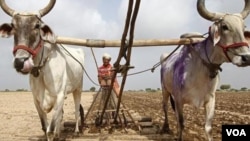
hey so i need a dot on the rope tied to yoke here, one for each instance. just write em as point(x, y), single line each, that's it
point(213, 68)
point(160, 62)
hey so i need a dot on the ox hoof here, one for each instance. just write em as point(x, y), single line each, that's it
point(166, 131)
point(51, 136)
point(77, 134)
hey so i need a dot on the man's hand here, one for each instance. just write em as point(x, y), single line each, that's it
point(106, 77)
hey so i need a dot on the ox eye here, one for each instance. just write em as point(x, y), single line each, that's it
point(225, 27)
point(12, 25)
point(37, 26)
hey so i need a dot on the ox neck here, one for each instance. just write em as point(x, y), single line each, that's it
point(212, 53)
point(205, 52)
point(39, 61)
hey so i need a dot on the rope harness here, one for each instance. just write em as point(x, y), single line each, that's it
point(212, 68)
point(36, 69)
point(226, 48)
point(234, 45)
point(33, 52)
point(80, 65)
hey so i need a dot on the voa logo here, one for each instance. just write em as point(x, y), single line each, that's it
point(236, 132)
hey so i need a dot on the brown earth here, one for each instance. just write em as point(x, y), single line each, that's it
point(19, 120)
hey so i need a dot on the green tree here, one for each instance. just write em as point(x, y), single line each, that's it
point(153, 90)
point(244, 89)
point(92, 89)
point(225, 86)
point(21, 90)
point(148, 89)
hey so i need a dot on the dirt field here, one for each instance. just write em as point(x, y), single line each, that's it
point(19, 119)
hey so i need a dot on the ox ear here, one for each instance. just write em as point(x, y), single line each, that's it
point(6, 30)
point(47, 34)
point(247, 36)
point(214, 32)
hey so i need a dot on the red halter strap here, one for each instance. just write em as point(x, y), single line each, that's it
point(234, 45)
point(33, 52)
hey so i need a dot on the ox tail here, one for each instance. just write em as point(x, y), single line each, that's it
point(172, 102)
point(163, 57)
point(162, 60)
point(81, 116)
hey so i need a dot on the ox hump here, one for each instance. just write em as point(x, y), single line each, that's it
point(192, 35)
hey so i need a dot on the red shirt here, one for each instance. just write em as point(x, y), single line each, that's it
point(104, 70)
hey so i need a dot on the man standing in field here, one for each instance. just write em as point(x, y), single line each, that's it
point(105, 74)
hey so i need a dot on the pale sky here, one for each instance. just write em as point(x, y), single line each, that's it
point(104, 19)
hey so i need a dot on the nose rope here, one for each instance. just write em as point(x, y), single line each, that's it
point(33, 52)
point(226, 47)
point(234, 45)
point(36, 69)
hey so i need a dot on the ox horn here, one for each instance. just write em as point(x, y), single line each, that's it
point(246, 9)
point(205, 13)
point(46, 10)
point(6, 8)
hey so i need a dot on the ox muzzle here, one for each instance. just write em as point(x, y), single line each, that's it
point(24, 63)
point(241, 60)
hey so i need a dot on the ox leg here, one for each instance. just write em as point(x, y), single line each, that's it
point(77, 100)
point(165, 128)
point(53, 129)
point(42, 116)
point(209, 112)
point(180, 119)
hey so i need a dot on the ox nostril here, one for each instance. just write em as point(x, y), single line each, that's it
point(244, 58)
point(18, 63)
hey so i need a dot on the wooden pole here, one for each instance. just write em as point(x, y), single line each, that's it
point(117, 43)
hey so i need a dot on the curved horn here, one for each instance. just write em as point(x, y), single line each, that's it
point(46, 10)
point(246, 9)
point(205, 13)
point(6, 8)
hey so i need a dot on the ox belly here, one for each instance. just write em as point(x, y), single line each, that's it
point(195, 90)
point(198, 92)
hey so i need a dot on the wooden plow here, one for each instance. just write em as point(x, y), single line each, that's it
point(92, 119)
point(127, 118)
point(101, 115)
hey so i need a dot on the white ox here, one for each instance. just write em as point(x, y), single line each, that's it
point(191, 76)
point(54, 70)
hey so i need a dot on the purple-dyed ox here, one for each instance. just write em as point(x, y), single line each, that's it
point(191, 76)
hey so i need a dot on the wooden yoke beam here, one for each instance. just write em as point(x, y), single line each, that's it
point(117, 43)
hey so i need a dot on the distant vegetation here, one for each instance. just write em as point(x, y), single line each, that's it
point(227, 87)
point(92, 89)
point(223, 87)
point(17, 90)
